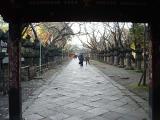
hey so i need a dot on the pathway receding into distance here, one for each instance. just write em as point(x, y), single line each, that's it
point(84, 93)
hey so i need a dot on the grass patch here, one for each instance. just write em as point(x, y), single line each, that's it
point(141, 87)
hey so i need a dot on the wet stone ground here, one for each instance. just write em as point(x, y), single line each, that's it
point(85, 93)
point(28, 89)
point(127, 78)
point(80, 93)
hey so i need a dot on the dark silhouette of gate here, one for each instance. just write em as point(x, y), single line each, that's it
point(20, 12)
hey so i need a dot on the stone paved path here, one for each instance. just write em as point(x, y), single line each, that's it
point(127, 78)
point(84, 93)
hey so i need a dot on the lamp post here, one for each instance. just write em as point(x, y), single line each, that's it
point(40, 57)
point(62, 53)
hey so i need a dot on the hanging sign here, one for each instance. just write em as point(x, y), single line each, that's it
point(3, 44)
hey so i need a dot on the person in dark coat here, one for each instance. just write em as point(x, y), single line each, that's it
point(81, 59)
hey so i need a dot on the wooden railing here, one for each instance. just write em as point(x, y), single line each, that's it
point(28, 72)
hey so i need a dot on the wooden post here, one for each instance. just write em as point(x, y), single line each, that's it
point(155, 77)
point(15, 102)
point(29, 73)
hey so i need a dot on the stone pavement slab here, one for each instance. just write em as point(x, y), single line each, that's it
point(127, 78)
point(84, 93)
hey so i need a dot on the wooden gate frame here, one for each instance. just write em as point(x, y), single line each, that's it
point(17, 12)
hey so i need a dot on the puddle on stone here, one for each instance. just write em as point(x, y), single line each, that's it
point(110, 75)
point(99, 83)
point(55, 88)
point(98, 76)
point(124, 77)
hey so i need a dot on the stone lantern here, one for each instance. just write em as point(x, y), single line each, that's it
point(27, 50)
point(116, 56)
point(121, 57)
point(112, 56)
point(36, 49)
point(3, 54)
point(107, 56)
point(128, 58)
point(138, 52)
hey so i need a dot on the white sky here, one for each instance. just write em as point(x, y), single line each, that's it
point(95, 25)
point(75, 28)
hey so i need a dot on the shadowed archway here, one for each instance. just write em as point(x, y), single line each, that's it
point(18, 13)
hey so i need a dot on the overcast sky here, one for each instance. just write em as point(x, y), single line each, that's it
point(75, 28)
point(89, 25)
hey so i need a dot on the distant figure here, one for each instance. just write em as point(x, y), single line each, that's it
point(75, 56)
point(81, 59)
point(87, 59)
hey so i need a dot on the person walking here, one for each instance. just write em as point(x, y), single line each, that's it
point(87, 59)
point(81, 59)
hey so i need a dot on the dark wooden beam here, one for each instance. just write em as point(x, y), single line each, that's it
point(15, 102)
point(80, 10)
point(155, 80)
